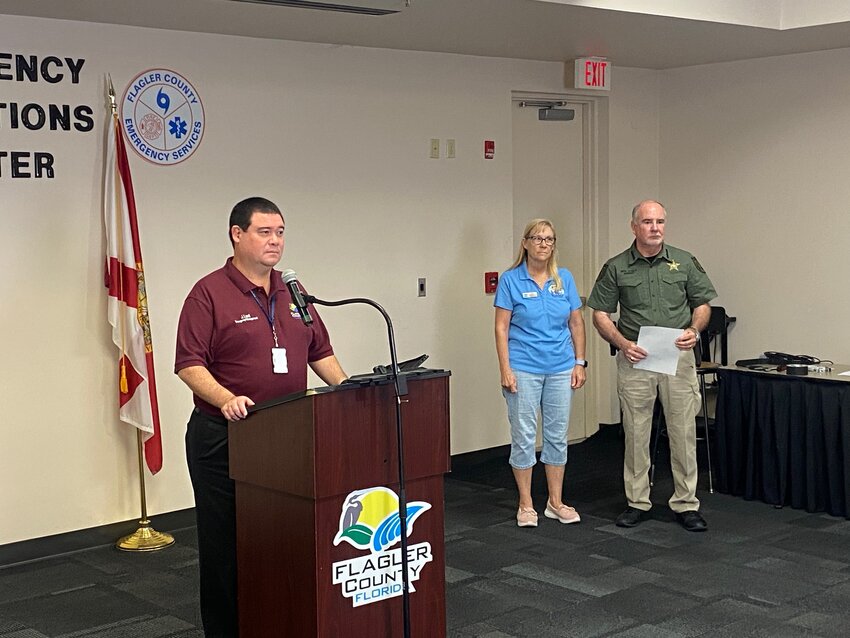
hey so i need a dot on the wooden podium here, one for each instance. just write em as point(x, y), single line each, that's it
point(296, 461)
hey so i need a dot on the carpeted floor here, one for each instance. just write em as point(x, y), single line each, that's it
point(758, 571)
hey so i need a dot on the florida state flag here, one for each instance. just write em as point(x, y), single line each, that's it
point(127, 304)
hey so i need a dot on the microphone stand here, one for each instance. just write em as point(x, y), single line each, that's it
point(400, 384)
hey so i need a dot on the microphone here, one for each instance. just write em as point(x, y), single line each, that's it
point(291, 280)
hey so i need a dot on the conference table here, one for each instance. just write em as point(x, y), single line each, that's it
point(784, 439)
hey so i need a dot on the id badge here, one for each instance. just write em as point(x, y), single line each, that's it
point(279, 361)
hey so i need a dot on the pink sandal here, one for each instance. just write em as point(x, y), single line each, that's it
point(526, 517)
point(564, 513)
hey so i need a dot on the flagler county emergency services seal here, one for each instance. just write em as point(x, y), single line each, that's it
point(162, 116)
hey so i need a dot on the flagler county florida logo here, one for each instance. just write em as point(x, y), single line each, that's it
point(369, 521)
point(162, 116)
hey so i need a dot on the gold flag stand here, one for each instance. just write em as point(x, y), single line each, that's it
point(146, 538)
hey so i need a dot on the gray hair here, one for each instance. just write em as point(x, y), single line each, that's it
point(646, 201)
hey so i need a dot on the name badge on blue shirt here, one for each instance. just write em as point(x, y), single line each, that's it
point(529, 295)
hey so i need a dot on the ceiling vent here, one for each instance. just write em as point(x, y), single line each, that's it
point(363, 7)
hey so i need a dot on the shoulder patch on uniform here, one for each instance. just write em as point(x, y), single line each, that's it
point(601, 273)
point(697, 264)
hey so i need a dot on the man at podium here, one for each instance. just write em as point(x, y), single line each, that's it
point(240, 341)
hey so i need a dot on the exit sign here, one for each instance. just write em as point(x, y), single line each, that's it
point(593, 73)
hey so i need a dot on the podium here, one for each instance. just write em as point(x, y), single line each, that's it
point(316, 473)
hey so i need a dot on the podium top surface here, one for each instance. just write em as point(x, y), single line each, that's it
point(357, 381)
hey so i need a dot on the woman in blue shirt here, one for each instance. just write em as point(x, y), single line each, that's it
point(540, 342)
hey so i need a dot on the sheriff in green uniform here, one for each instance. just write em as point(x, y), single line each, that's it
point(655, 285)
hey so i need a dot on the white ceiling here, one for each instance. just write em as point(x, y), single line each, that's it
point(555, 30)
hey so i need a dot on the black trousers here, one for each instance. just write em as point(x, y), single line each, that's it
point(215, 511)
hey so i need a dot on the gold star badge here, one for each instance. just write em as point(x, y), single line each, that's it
point(674, 265)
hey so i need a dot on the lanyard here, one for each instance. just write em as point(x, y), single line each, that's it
point(270, 316)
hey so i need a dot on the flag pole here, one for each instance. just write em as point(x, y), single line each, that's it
point(145, 538)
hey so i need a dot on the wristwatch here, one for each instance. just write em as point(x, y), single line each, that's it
point(695, 331)
point(581, 362)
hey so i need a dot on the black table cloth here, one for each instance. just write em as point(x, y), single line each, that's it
point(784, 440)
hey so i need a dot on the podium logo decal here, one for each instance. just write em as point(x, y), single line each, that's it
point(369, 521)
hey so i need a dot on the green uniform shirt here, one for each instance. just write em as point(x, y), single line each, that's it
point(656, 291)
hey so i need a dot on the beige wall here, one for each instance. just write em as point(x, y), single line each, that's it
point(750, 157)
point(633, 175)
point(338, 136)
point(754, 170)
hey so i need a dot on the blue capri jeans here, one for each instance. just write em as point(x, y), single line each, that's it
point(547, 393)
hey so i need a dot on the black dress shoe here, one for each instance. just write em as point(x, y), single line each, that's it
point(630, 517)
point(692, 521)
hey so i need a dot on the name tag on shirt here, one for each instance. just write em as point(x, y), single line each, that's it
point(529, 295)
point(279, 363)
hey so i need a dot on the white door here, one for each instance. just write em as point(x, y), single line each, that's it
point(548, 182)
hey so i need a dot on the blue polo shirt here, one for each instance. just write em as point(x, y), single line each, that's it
point(539, 339)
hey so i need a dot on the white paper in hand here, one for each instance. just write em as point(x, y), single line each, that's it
point(660, 343)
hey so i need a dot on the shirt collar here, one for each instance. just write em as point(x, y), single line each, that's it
point(245, 285)
point(636, 256)
point(523, 272)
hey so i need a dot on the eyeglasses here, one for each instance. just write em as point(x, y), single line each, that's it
point(537, 239)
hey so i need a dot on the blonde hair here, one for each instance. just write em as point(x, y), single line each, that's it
point(552, 265)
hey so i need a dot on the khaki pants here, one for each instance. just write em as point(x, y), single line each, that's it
point(681, 401)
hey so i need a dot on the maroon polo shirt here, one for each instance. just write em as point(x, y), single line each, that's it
point(225, 330)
